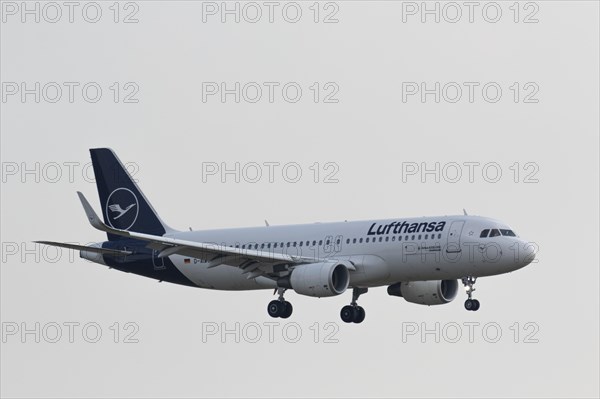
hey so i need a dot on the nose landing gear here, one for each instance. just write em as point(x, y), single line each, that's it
point(353, 313)
point(280, 307)
point(470, 303)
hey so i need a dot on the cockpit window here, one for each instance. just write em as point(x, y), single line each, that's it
point(506, 232)
point(484, 233)
point(494, 233)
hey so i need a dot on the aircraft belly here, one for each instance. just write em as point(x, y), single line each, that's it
point(370, 271)
point(222, 277)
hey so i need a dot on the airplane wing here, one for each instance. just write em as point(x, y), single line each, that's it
point(248, 259)
point(104, 251)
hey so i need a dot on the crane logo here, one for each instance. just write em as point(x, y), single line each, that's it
point(122, 209)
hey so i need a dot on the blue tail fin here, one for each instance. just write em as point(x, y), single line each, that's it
point(124, 206)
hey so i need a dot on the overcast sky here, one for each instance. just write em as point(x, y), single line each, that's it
point(361, 98)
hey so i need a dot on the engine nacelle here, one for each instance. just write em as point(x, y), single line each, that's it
point(318, 279)
point(434, 292)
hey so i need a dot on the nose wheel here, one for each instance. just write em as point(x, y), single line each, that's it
point(280, 307)
point(470, 303)
point(353, 313)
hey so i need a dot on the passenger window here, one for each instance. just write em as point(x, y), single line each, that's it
point(380, 238)
point(494, 233)
point(295, 243)
point(338, 241)
point(419, 236)
point(354, 241)
point(393, 238)
point(399, 238)
point(347, 241)
point(320, 242)
point(301, 243)
point(412, 238)
point(360, 241)
point(275, 245)
point(314, 243)
point(367, 240)
point(387, 239)
point(484, 233)
point(244, 246)
point(262, 245)
point(439, 236)
point(426, 236)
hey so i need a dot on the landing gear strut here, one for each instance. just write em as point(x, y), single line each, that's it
point(470, 304)
point(353, 313)
point(280, 307)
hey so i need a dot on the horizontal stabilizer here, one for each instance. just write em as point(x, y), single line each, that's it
point(104, 251)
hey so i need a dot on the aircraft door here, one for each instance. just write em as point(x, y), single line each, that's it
point(456, 228)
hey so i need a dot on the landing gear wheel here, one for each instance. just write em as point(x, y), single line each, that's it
point(280, 307)
point(288, 309)
point(353, 313)
point(348, 314)
point(276, 308)
point(469, 304)
point(469, 282)
point(360, 314)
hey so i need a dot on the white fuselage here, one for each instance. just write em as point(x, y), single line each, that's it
point(383, 251)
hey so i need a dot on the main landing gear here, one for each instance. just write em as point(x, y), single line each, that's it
point(470, 304)
point(353, 313)
point(280, 307)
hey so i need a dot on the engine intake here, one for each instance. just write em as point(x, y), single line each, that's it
point(434, 292)
point(318, 279)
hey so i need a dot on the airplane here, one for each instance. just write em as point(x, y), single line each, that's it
point(420, 259)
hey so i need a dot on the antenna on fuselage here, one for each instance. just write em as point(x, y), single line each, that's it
point(266, 223)
point(465, 212)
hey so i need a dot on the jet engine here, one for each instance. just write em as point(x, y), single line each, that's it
point(434, 292)
point(318, 279)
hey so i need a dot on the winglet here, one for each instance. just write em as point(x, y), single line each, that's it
point(95, 220)
point(91, 215)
